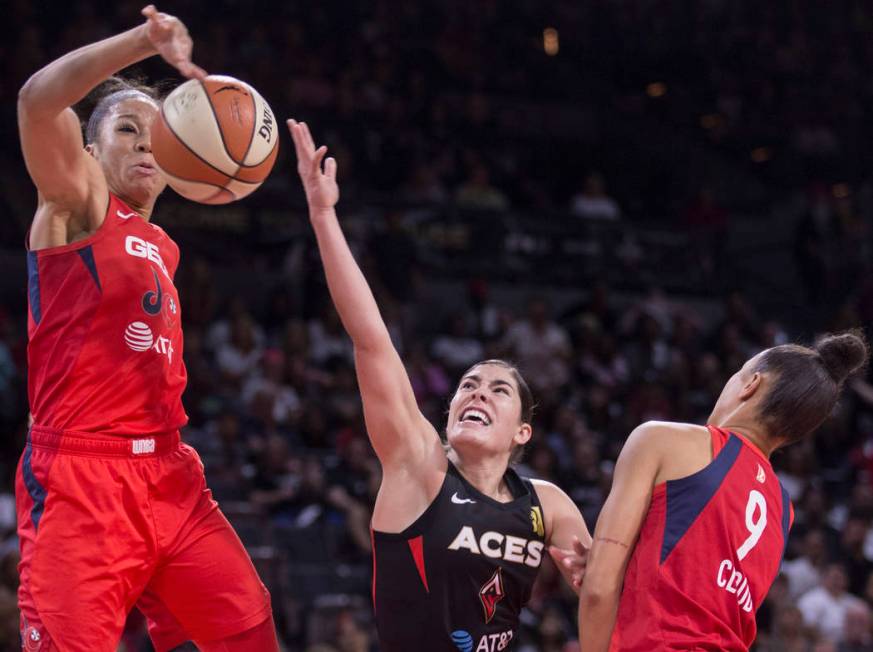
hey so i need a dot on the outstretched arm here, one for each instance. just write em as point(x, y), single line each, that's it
point(615, 535)
point(400, 434)
point(51, 138)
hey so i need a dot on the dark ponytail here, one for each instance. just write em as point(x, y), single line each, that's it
point(843, 354)
point(807, 381)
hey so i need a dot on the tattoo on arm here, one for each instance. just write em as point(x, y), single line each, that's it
point(615, 541)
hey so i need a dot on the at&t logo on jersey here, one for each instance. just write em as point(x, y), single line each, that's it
point(488, 643)
point(499, 546)
point(139, 337)
point(139, 248)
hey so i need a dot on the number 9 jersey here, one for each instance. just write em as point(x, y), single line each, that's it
point(708, 551)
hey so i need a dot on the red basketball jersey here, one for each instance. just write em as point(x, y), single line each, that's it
point(105, 336)
point(708, 551)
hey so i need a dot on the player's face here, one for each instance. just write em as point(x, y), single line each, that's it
point(124, 150)
point(485, 413)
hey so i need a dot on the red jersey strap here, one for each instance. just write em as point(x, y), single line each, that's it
point(719, 439)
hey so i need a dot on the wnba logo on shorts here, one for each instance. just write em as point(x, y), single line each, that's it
point(143, 446)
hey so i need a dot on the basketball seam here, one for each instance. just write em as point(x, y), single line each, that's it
point(218, 124)
point(254, 124)
point(249, 167)
point(194, 152)
point(209, 183)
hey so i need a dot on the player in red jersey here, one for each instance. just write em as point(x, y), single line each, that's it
point(693, 531)
point(113, 511)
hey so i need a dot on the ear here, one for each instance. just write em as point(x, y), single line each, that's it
point(91, 149)
point(523, 435)
point(751, 386)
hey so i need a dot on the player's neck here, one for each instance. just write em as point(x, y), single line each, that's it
point(752, 433)
point(143, 210)
point(485, 474)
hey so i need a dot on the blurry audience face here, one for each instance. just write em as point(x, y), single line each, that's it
point(835, 580)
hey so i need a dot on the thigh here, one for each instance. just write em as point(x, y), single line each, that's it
point(84, 550)
point(209, 584)
point(165, 632)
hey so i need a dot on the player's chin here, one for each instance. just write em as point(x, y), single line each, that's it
point(145, 190)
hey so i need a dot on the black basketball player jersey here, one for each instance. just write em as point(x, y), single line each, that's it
point(457, 578)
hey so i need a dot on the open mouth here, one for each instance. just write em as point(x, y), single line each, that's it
point(474, 415)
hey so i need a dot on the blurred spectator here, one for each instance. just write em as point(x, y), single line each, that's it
point(825, 607)
point(541, 348)
point(593, 203)
point(456, 348)
point(805, 572)
point(478, 193)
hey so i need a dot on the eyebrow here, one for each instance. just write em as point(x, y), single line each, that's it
point(478, 379)
point(128, 116)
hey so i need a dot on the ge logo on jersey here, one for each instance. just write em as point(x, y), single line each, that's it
point(141, 249)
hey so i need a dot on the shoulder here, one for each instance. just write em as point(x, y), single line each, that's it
point(548, 490)
point(553, 499)
point(665, 435)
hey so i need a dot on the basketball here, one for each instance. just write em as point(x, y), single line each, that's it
point(215, 140)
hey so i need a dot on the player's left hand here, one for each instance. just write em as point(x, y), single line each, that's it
point(571, 563)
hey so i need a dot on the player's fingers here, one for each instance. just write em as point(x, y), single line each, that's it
point(294, 128)
point(579, 547)
point(330, 167)
point(317, 159)
point(190, 70)
point(149, 10)
point(557, 554)
point(307, 136)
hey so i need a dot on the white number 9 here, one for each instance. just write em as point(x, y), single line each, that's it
point(756, 528)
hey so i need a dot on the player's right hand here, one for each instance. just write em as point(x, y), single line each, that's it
point(170, 38)
point(571, 563)
point(322, 191)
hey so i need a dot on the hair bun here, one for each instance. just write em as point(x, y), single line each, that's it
point(843, 354)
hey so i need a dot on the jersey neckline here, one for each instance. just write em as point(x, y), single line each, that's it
point(518, 488)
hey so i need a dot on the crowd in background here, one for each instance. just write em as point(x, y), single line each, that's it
point(699, 117)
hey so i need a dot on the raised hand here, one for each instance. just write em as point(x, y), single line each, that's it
point(322, 191)
point(571, 563)
point(170, 38)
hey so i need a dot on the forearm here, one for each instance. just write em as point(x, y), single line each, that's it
point(597, 613)
point(349, 289)
point(67, 80)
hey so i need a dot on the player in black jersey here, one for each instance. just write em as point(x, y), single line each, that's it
point(458, 537)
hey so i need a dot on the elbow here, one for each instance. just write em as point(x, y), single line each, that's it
point(595, 593)
point(26, 92)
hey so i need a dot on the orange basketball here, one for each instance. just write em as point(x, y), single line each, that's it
point(215, 140)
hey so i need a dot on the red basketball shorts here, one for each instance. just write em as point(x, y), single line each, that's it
point(106, 524)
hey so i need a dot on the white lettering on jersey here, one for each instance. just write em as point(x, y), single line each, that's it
point(165, 346)
point(494, 642)
point(733, 581)
point(141, 249)
point(496, 546)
